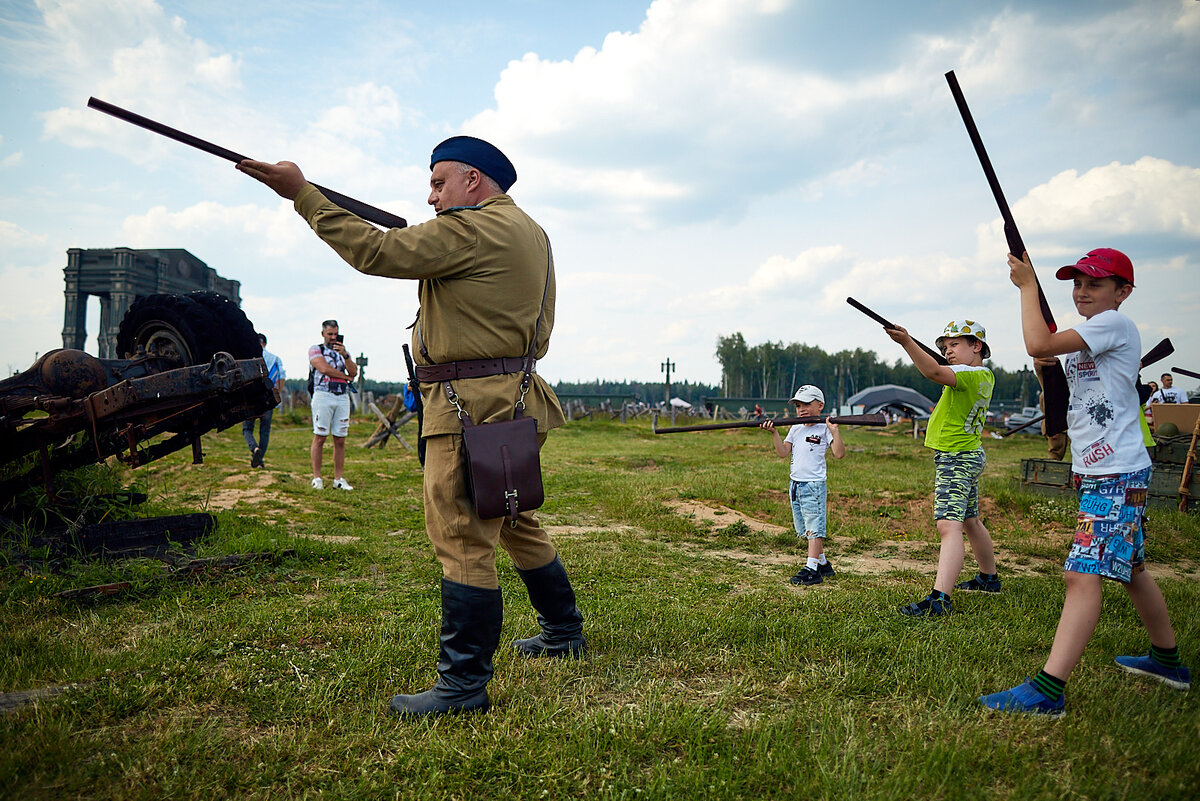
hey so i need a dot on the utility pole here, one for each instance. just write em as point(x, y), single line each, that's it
point(667, 367)
point(362, 381)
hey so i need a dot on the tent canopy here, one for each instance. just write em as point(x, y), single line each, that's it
point(881, 397)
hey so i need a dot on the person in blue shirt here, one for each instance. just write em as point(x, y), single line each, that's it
point(276, 374)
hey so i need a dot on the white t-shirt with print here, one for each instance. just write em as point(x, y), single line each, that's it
point(1164, 395)
point(1103, 416)
point(808, 451)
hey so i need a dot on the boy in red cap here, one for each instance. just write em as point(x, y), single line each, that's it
point(1112, 473)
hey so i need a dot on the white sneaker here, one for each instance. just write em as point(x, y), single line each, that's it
point(318, 483)
point(342, 484)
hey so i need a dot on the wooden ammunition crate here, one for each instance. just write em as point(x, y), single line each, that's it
point(1050, 477)
point(1171, 450)
point(1046, 473)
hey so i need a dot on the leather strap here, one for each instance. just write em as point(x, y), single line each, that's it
point(470, 368)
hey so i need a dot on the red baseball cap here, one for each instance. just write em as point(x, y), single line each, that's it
point(1100, 263)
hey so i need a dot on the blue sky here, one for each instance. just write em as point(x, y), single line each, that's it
point(701, 167)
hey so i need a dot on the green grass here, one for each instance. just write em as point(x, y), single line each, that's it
point(709, 676)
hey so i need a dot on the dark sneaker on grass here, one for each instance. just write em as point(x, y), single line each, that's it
point(980, 584)
point(928, 607)
point(807, 577)
point(1025, 698)
point(1179, 678)
point(826, 570)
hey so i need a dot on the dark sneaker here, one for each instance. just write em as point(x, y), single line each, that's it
point(1179, 678)
point(807, 576)
point(980, 584)
point(928, 607)
point(826, 570)
point(1025, 698)
point(256, 458)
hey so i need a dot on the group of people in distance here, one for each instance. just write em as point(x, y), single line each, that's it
point(486, 288)
point(1108, 457)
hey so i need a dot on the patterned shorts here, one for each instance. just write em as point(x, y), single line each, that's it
point(956, 484)
point(808, 508)
point(1110, 541)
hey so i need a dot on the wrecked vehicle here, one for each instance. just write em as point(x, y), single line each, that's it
point(191, 364)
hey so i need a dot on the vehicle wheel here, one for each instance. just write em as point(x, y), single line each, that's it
point(238, 337)
point(173, 327)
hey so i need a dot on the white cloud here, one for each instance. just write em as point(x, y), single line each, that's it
point(14, 236)
point(1149, 196)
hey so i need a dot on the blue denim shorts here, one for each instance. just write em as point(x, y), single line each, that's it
point(956, 484)
point(1110, 541)
point(808, 508)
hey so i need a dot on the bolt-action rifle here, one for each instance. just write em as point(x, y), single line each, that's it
point(1054, 380)
point(369, 213)
point(841, 419)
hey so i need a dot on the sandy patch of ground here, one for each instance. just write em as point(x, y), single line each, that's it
point(260, 490)
point(722, 516)
point(335, 539)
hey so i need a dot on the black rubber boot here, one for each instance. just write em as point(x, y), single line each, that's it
point(553, 598)
point(471, 618)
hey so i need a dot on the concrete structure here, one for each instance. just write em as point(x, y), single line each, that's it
point(119, 276)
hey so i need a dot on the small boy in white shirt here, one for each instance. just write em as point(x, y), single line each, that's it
point(806, 445)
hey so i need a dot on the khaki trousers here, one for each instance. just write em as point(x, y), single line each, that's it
point(464, 543)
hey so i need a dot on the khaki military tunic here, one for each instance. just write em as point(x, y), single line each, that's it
point(482, 273)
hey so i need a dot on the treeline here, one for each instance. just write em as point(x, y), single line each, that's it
point(644, 391)
point(774, 370)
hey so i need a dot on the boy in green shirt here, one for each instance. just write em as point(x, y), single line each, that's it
point(953, 435)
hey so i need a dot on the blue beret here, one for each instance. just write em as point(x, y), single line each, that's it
point(479, 154)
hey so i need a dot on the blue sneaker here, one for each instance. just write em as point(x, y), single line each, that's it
point(1025, 698)
point(1179, 678)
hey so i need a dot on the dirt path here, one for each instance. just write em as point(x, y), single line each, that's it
point(891, 554)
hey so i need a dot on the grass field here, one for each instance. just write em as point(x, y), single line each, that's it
point(709, 676)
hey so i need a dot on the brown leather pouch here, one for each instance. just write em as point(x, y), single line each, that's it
point(503, 467)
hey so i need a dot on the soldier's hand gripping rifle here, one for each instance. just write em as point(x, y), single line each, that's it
point(369, 213)
point(840, 419)
point(1054, 386)
point(937, 357)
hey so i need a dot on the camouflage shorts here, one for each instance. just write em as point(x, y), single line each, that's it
point(1110, 540)
point(956, 484)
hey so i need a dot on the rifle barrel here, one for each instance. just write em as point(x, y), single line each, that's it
point(937, 357)
point(1015, 245)
point(879, 419)
point(368, 212)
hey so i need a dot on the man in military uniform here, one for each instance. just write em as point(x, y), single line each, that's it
point(485, 273)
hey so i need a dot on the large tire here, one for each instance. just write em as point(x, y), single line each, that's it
point(238, 337)
point(169, 326)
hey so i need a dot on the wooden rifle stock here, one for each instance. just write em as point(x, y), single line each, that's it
point(1159, 352)
point(939, 358)
point(1189, 373)
point(368, 212)
point(840, 419)
point(1054, 384)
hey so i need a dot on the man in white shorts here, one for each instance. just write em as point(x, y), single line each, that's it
point(333, 370)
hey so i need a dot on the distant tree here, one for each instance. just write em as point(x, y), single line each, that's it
point(774, 370)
